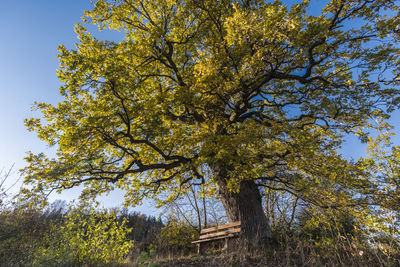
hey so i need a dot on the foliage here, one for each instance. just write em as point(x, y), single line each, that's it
point(144, 229)
point(61, 235)
point(261, 87)
point(175, 238)
point(145, 257)
point(21, 232)
point(321, 226)
point(228, 95)
point(87, 237)
point(316, 238)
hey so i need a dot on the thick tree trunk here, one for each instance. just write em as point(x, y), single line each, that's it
point(246, 206)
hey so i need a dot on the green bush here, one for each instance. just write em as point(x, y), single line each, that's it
point(87, 237)
point(21, 232)
point(176, 237)
point(316, 224)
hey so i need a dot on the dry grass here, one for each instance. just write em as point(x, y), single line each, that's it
point(293, 252)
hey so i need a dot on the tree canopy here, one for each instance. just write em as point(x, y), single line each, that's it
point(230, 95)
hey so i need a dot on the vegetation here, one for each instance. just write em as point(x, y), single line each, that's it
point(243, 103)
point(80, 235)
point(234, 96)
point(175, 239)
point(87, 237)
point(83, 236)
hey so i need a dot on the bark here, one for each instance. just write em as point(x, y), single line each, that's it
point(246, 206)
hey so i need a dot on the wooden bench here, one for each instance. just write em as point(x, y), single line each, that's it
point(227, 232)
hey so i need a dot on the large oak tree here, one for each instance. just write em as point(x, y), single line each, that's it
point(234, 96)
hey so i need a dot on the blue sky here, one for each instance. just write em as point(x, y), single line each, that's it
point(30, 32)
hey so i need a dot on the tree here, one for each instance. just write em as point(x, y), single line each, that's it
point(5, 197)
point(231, 95)
point(196, 210)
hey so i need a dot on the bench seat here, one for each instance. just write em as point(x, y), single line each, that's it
point(227, 232)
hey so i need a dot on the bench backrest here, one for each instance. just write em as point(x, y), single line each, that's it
point(223, 230)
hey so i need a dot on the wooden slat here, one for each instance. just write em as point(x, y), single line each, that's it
point(211, 239)
point(222, 233)
point(217, 228)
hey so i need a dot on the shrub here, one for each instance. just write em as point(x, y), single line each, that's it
point(87, 237)
point(176, 237)
point(21, 232)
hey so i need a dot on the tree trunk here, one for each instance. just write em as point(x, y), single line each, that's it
point(246, 206)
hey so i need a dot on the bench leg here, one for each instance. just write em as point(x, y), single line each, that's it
point(199, 249)
point(225, 248)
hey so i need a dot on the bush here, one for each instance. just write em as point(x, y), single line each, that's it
point(87, 237)
point(21, 232)
point(315, 224)
point(176, 237)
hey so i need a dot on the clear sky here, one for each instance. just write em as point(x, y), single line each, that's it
point(30, 32)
